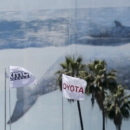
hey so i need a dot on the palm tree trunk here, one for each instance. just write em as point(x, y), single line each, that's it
point(103, 119)
point(80, 116)
point(118, 127)
point(103, 111)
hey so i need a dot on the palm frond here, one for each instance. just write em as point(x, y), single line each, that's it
point(79, 59)
point(63, 65)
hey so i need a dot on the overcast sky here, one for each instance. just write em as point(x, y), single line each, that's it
point(13, 5)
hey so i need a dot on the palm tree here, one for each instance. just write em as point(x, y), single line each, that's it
point(117, 106)
point(73, 68)
point(100, 81)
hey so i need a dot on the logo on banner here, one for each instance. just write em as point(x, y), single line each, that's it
point(73, 88)
point(19, 75)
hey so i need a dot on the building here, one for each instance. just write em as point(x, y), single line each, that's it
point(38, 35)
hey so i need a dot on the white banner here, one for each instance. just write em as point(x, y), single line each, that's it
point(73, 88)
point(20, 77)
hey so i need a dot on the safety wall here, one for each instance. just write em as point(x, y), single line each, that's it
point(37, 35)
